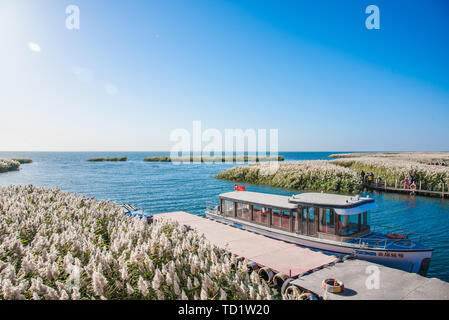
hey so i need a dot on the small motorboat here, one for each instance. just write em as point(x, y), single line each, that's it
point(132, 211)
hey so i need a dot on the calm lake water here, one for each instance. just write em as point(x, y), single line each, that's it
point(164, 187)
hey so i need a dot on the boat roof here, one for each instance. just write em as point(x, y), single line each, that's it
point(343, 205)
point(263, 199)
point(329, 200)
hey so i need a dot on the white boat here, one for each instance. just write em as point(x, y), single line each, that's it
point(132, 211)
point(328, 222)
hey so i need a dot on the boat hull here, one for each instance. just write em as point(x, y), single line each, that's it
point(416, 261)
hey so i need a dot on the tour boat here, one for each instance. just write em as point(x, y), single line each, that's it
point(329, 222)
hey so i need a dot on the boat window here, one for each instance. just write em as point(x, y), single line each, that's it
point(243, 211)
point(348, 224)
point(276, 218)
point(295, 221)
point(303, 227)
point(285, 220)
point(365, 224)
point(228, 208)
point(265, 216)
point(260, 215)
point(327, 221)
point(312, 212)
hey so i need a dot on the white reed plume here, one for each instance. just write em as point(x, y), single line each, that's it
point(98, 283)
point(57, 245)
point(143, 286)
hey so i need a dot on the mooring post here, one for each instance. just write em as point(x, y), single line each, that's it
point(396, 183)
point(420, 185)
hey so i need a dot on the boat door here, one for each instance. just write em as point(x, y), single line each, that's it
point(308, 221)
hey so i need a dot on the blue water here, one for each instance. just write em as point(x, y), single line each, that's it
point(164, 187)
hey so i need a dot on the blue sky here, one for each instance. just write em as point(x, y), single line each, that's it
point(137, 70)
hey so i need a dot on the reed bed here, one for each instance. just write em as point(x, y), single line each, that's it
point(157, 159)
point(343, 174)
point(319, 175)
point(9, 165)
point(396, 169)
point(57, 245)
point(23, 161)
point(242, 158)
point(107, 159)
point(419, 157)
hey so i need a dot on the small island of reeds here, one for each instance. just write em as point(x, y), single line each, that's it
point(56, 245)
point(157, 159)
point(107, 159)
point(242, 158)
point(429, 170)
point(299, 175)
point(9, 165)
point(22, 160)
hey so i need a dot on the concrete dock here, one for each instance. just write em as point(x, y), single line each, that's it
point(359, 280)
point(280, 256)
point(358, 276)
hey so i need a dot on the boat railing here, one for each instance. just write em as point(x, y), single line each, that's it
point(211, 206)
point(380, 243)
point(416, 236)
point(376, 243)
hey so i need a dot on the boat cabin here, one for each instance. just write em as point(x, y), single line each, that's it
point(320, 215)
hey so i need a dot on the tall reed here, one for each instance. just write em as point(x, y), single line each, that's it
point(57, 245)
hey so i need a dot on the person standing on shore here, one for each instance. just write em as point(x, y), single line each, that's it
point(406, 183)
point(363, 176)
point(378, 181)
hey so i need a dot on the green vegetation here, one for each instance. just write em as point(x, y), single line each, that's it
point(344, 173)
point(108, 159)
point(319, 175)
point(9, 165)
point(394, 170)
point(157, 159)
point(215, 159)
point(22, 161)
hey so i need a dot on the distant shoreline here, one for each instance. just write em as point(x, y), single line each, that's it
point(107, 159)
point(215, 159)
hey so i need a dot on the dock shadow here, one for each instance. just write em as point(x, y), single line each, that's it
point(347, 293)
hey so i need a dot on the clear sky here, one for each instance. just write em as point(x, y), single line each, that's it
point(136, 70)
